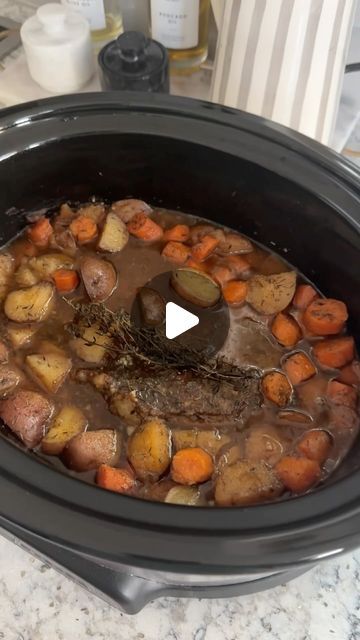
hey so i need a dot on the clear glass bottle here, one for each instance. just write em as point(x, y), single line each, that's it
point(105, 18)
point(182, 26)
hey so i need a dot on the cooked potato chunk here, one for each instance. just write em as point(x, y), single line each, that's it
point(264, 442)
point(9, 379)
point(234, 243)
point(246, 482)
point(99, 278)
point(7, 265)
point(49, 369)
point(127, 209)
point(189, 496)
point(271, 294)
point(25, 277)
point(152, 306)
point(20, 335)
point(4, 352)
point(114, 235)
point(26, 413)
point(90, 449)
point(29, 305)
point(196, 287)
point(209, 440)
point(92, 346)
point(149, 449)
point(68, 423)
point(45, 265)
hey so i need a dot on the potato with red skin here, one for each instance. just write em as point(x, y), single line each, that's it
point(90, 449)
point(26, 413)
point(99, 277)
point(246, 482)
point(130, 207)
point(342, 394)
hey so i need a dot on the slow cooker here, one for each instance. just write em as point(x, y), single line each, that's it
point(274, 185)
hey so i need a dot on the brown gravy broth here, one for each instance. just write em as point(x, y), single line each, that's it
point(250, 343)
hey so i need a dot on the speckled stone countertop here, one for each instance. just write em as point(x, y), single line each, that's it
point(38, 603)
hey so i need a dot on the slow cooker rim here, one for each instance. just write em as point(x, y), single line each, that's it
point(54, 108)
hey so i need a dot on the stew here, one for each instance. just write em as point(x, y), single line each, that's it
point(112, 402)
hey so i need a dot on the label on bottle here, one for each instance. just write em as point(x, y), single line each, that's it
point(175, 23)
point(93, 10)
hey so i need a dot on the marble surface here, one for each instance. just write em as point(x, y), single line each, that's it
point(37, 603)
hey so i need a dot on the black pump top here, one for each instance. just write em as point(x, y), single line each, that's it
point(134, 62)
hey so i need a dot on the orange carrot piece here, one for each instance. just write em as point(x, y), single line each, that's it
point(194, 264)
point(40, 232)
point(343, 418)
point(84, 229)
point(299, 368)
point(176, 252)
point(304, 294)
point(235, 291)
point(113, 479)
point(178, 233)
point(221, 274)
point(144, 228)
point(350, 374)
point(335, 353)
point(342, 394)
point(325, 316)
point(298, 474)
point(203, 249)
point(286, 330)
point(66, 280)
point(315, 445)
point(237, 265)
point(191, 466)
point(276, 388)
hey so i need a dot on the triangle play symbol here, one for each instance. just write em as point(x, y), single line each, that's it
point(178, 320)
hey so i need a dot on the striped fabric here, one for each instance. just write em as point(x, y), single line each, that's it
point(284, 60)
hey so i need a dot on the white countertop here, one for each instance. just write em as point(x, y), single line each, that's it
point(38, 603)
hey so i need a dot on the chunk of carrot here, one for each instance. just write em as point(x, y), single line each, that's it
point(221, 274)
point(299, 368)
point(40, 232)
point(176, 252)
point(235, 291)
point(304, 294)
point(195, 264)
point(144, 228)
point(298, 474)
point(350, 374)
point(325, 316)
point(342, 394)
point(286, 330)
point(178, 233)
point(277, 388)
point(237, 265)
point(204, 248)
point(343, 418)
point(84, 229)
point(191, 466)
point(315, 445)
point(336, 352)
point(66, 280)
point(113, 479)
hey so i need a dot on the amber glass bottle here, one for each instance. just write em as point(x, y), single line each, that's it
point(182, 26)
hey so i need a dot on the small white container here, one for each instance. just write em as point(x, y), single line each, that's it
point(58, 48)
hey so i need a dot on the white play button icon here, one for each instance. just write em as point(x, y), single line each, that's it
point(178, 320)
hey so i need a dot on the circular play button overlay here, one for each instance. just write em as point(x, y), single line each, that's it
point(160, 305)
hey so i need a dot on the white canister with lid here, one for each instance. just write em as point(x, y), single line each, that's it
point(58, 48)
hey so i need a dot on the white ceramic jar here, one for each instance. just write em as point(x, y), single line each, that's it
point(58, 48)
